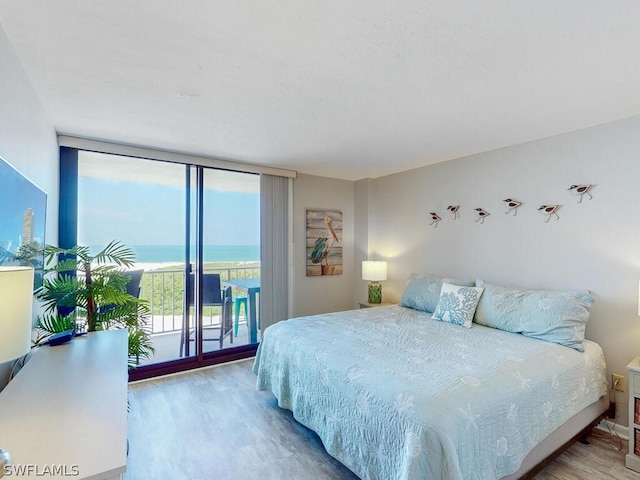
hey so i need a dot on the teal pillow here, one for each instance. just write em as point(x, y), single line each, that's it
point(423, 291)
point(457, 304)
point(554, 316)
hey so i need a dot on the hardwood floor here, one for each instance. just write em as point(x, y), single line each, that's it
point(213, 424)
point(602, 458)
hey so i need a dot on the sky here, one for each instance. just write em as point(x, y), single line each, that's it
point(139, 213)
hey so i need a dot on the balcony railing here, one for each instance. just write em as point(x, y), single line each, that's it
point(164, 292)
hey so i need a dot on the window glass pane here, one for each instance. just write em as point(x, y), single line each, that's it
point(144, 204)
point(231, 248)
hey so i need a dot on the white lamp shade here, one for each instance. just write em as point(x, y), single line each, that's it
point(16, 300)
point(374, 270)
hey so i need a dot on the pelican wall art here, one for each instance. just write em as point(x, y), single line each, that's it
point(324, 242)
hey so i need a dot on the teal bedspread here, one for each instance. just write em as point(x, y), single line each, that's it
point(394, 394)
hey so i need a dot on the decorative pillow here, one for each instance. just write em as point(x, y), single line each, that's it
point(423, 291)
point(554, 316)
point(457, 304)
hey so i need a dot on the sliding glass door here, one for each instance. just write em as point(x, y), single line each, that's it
point(231, 250)
point(142, 204)
point(194, 231)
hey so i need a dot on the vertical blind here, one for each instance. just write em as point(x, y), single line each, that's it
point(274, 249)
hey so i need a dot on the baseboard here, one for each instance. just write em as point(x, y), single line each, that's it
point(609, 426)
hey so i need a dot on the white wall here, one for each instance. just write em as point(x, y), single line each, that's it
point(313, 295)
point(363, 207)
point(27, 139)
point(595, 245)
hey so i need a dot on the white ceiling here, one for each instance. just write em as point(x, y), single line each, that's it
point(346, 89)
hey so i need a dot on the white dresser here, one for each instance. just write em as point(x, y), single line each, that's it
point(633, 457)
point(65, 414)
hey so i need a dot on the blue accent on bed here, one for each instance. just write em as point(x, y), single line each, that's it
point(394, 394)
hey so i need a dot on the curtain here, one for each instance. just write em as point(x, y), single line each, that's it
point(274, 249)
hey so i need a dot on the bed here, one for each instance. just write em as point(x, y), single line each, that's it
point(395, 394)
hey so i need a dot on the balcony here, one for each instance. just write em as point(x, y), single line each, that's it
point(163, 289)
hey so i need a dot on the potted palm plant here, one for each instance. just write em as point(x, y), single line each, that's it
point(81, 289)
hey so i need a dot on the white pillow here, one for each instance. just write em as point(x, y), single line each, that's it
point(457, 304)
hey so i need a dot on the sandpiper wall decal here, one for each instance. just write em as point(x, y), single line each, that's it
point(481, 214)
point(512, 205)
point(435, 218)
point(581, 191)
point(549, 210)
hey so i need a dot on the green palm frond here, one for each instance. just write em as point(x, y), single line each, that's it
point(67, 266)
point(55, 323)
point(112, 296)
point(117, 253)
point(131, 314)
point(51, 253)
point(95, 287)
point(140, 342)
point(49, 324)
point(110, 275)
point(63, 291)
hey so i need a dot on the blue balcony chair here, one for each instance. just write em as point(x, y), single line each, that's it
point(239, 302)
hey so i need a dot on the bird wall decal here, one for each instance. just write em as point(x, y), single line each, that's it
point(512, 205)
point(435, 218)
point(549, 210)
point(581, 191)
point(481, 214)
point(454, 211)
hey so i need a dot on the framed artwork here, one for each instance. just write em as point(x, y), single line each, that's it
point(23, 208)
point(324, 242)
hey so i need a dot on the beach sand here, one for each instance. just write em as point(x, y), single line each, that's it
point(148, 267)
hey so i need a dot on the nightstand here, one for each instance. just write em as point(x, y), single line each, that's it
point(370, 305)
point(633, 457)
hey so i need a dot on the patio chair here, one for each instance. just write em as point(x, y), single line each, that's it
point(211, 290)
point(226, 320)
point(212, 295)
point(133, 285)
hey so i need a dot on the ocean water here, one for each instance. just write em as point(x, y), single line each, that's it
point(212, 253)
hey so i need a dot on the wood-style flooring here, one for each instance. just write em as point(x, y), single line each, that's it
point(213, 424)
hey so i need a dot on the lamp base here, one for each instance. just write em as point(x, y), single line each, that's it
point(375, 292)
point(5, 459)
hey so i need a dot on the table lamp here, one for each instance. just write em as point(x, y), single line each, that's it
point(374, 271)
point(16, 300)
